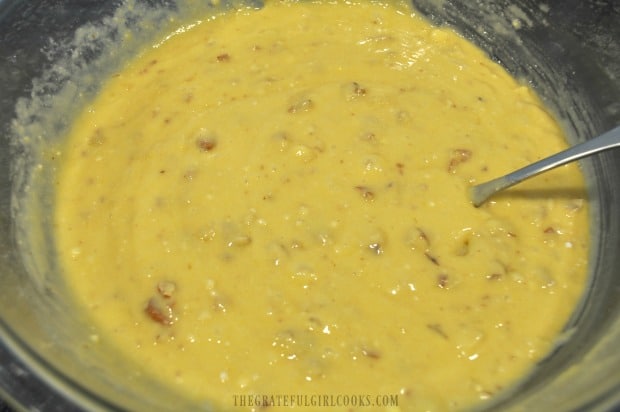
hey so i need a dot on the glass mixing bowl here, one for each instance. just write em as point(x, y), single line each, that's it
point(568, 50)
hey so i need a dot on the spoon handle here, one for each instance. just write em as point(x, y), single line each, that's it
point(480, 193)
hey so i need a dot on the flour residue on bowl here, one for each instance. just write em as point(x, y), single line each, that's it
point(76, 69)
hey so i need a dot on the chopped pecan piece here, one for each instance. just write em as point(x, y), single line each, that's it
point(160, 311)
point(206, 145)
point(442, 281)
point(458, 156)
point(366, 193)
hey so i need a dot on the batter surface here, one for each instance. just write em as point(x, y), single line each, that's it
point(275, 202)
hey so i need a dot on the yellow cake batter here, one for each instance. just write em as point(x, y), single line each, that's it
point(274, 202)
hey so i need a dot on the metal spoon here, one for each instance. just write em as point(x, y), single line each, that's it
point(481, 192)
